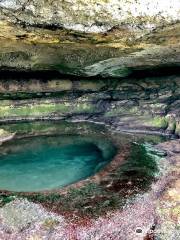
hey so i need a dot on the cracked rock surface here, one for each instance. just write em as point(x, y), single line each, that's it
point(91, 16)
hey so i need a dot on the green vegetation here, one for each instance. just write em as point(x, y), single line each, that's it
point(44, 108)
point(134, 176)
point(160, 122)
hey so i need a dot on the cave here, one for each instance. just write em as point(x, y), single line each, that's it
point(89, 119)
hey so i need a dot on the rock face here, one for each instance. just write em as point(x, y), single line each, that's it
point(110, 61)
point(106, 37)
point(5, 136)
point(143, 104)
point(90, 15)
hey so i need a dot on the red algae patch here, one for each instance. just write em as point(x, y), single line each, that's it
point(135, 197)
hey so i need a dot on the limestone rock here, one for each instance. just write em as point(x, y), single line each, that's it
point(91, 15)
point(21, 214)
point(5, 136)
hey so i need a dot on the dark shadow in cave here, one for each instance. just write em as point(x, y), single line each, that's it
point(138, 73)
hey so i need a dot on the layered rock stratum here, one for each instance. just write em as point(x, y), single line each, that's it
point(117, 60)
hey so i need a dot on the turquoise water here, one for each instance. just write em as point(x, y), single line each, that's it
point(45, 163)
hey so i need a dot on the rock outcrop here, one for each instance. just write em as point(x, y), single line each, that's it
point(110, 61)
point(90, 15)
point(125, 35)
point(5, 136)
point(141, 104)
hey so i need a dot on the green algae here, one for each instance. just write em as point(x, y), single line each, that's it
point(54, 127)
point(44, 109)
point(159, 122)
point(94, 199)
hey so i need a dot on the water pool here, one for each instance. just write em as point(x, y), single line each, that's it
point(50, 162)
point(51, 155)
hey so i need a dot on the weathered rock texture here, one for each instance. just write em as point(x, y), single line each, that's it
point(120, 62)
point(116, 36)
point(150, 103)
point(110, 61)
point(91, 15)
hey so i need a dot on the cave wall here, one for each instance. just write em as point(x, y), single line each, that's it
point(91, 15)
point(136, 104)
point(109, 61)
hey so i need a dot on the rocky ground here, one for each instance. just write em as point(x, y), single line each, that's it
point(152, 215)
